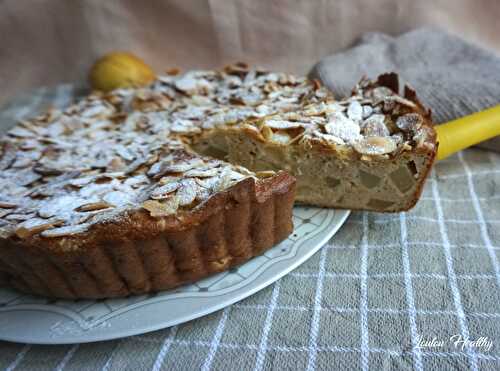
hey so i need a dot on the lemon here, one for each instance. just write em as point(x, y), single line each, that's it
point(119, 70)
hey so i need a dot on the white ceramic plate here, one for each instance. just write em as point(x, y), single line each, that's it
point(30, 319)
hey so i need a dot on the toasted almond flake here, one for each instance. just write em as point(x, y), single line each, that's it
point(342, 127)
point(169, 179)
point(355, 111)
point(184, 126)
point(404, 101)
point(173, 71)
point(186, 83)
point(330, 138)
point(265, 174)
point(267, 132)
point(20, 217)
point(96, 110)
point(236, 68)
point(398, 138)
point(280, 138)
point(367, 111)
point(375, 145)
point(159, 209)
point(187, 192)
point(46, 170)
point(27, 177)
point(283, 124)
point(321, 93)
point(7, 205)
point(5, 212)
point(201, 173)
point(223, 181)
point(292, 116)
point(8, 155)
point(207, 183)
point(375, 126)
point(409, 122)
point(163, 191)
point(35, 226)
point(202, 194)
point(183, 166)
point(124, 153)
point(93, 206)
point(380, 93)
point(314, 110)
point(115, 164)
point(69, 230)
point(250, 129)
point(155, 169)
point(422, 135)
point(18, 131)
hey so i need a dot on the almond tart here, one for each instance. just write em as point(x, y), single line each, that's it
point(146, 189)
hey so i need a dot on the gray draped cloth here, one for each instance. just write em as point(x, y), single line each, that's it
point(451, 76)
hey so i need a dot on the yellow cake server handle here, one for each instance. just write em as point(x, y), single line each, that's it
point(464, 132)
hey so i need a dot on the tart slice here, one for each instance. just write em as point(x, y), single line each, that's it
point(371, 151)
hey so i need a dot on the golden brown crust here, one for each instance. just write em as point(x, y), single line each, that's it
point(140, 254)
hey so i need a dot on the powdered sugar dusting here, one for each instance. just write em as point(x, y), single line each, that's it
point(342, 127)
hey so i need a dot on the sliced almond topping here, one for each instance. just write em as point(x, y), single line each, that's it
point(187, 192)
point(251, 128)
point(367, 111)
point(5, 212)
point(409, 122)
point(163, 191)
point(375, 126)
point(330, 138)
point(173, 71)
point(375, 145)
point(159, 209)
point(201, 173)
point(45, 170)
point(116, 164)
point(265, 174)
point(7, 205)
point(169, 179)
point(20, 217)
point(93, 206)
point(202, 194)
point(223, 181)
point(267, 132)
point(280, 137)
point(342, 127)
point(8, 155)
point(316, 84)
point(404, 101)
point(355, 111)
point(182, 167)
point(237, 68)
point(34, 226)
point(284, 124)
point(69, 230)
point(18, 131)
